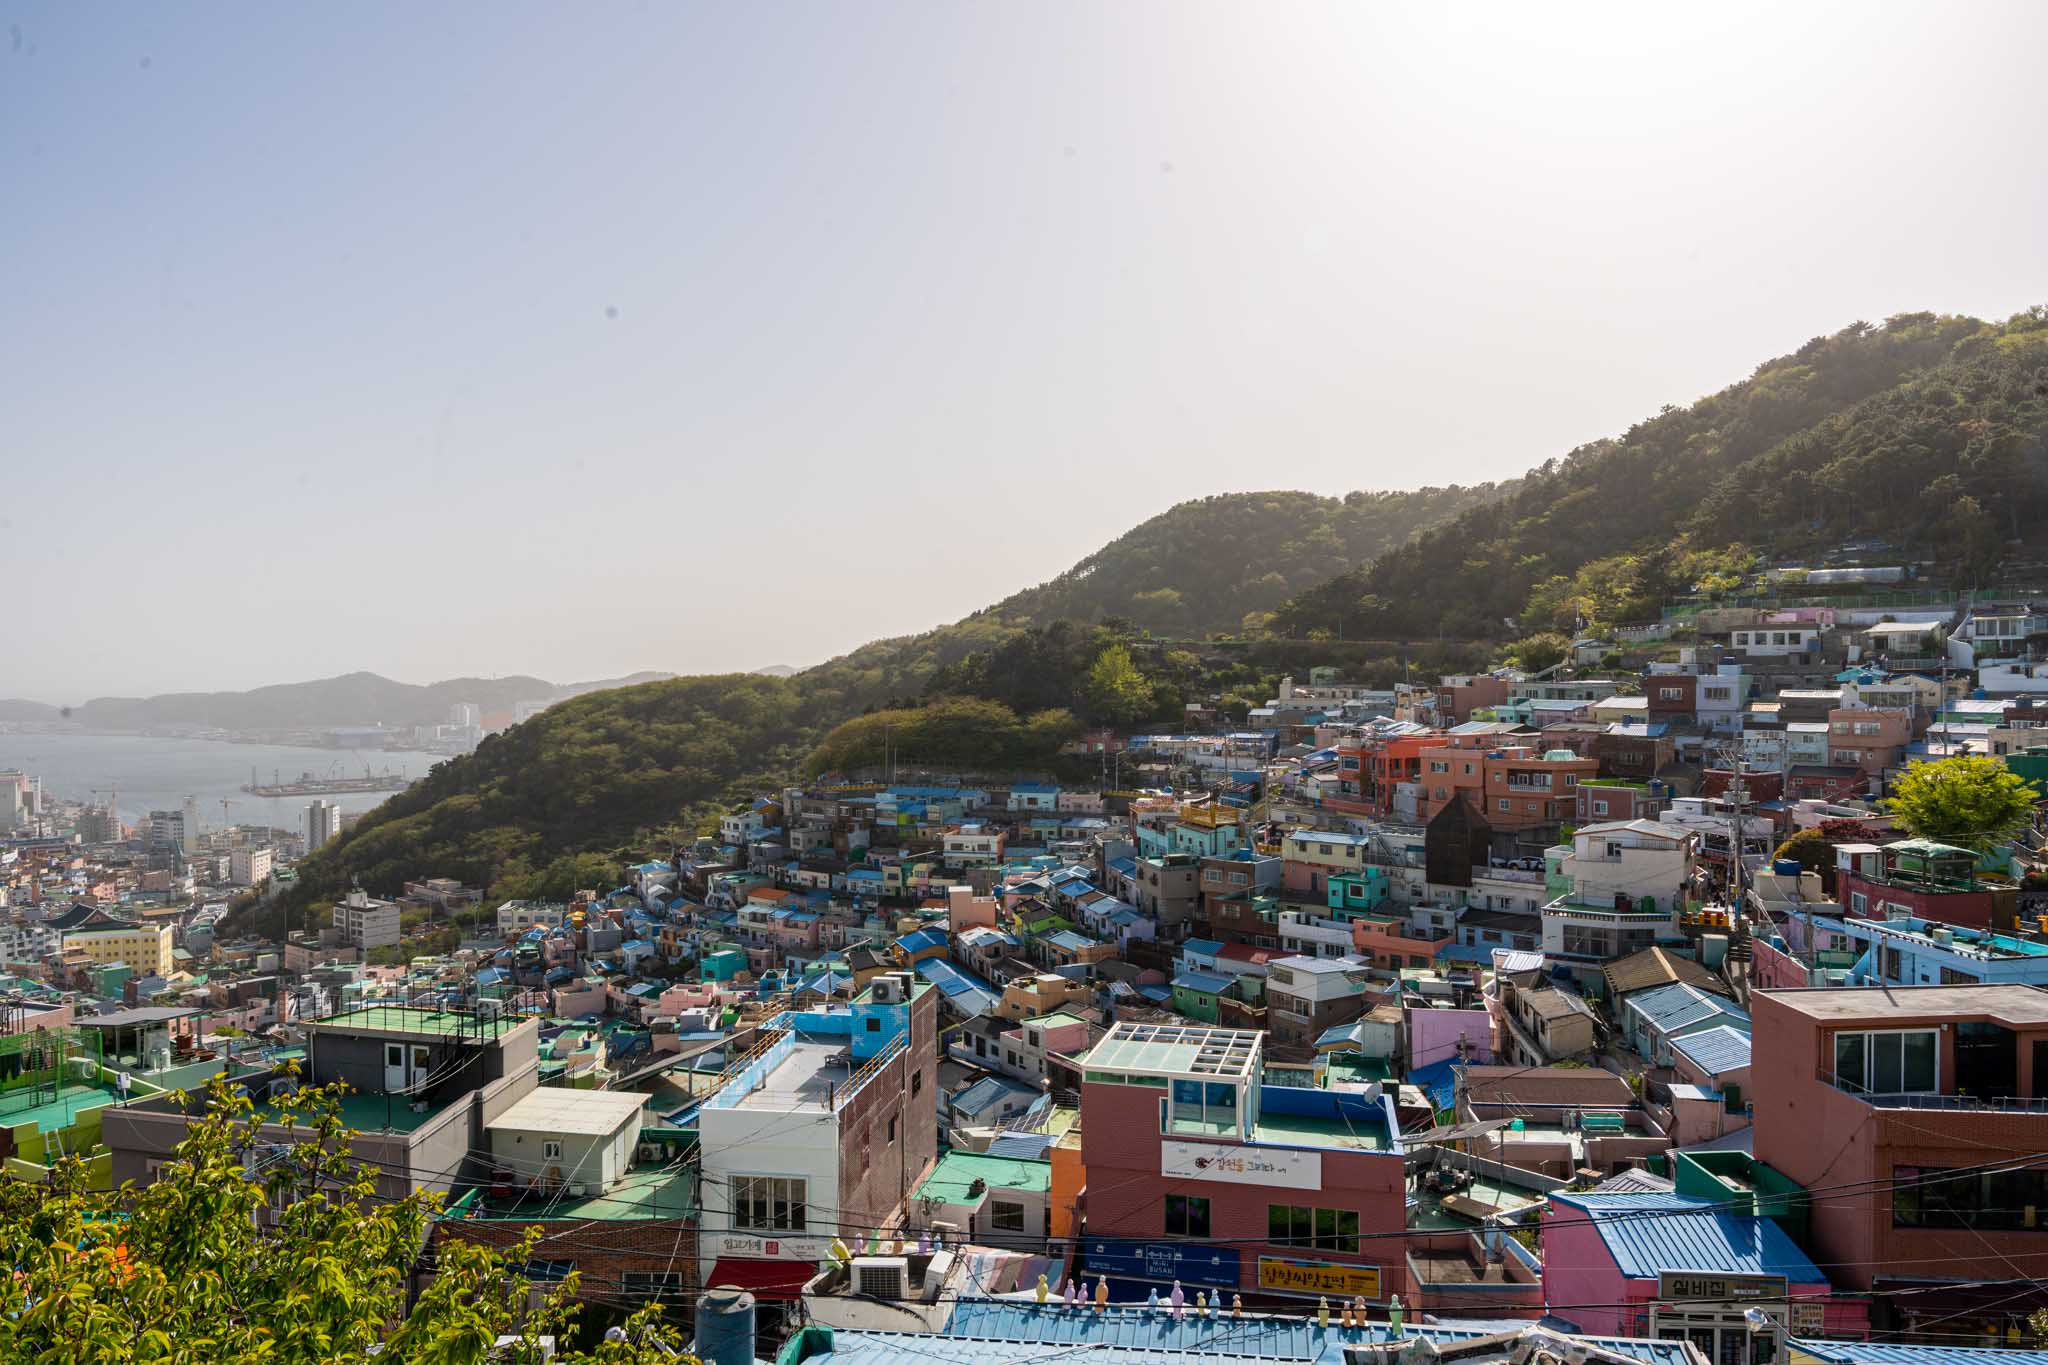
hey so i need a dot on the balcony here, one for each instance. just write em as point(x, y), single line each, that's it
point(1927, 1099)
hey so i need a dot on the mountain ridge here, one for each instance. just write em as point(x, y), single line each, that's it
point(357, 698)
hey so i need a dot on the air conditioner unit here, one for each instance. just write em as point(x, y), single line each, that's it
point(881, 1277)
point(650, 1151)
point(883, 991)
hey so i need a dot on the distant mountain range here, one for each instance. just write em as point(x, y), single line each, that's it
point(351, 699)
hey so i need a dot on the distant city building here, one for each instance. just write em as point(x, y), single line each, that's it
point(167, 832)
point(465, 715)
point(323, 822)
point(249, 866)
point(363, 921)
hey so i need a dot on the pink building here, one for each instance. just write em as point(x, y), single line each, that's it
point(579, 998)
point(1899, 1097)
point(688, 995)
point(1607, 1257)
point(965, 910)
point(1283, 1194)
point(1437, 1035)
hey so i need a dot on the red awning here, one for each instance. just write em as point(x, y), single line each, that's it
point(763, 1279)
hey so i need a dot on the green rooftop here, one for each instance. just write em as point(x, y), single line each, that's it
point(957, 1171)
point(647, 1194)
point(364, 1113)
point(1299, 1130)
point(54, 1112)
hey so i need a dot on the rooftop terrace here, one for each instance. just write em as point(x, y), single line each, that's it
point(1166, 1049)
point(646, 1193)
point(54, 1109)
point(1314, 1130)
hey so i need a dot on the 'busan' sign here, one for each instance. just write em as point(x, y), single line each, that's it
point(1197, 1263)
point(1283, 1168)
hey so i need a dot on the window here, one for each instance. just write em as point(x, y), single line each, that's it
point(1859, 902)
point(1599, 808)
point(1187, 1216)
point(892, 1128)
point(764, 1203)
point(1506, 804)
point(1004, 1216)
point(551, 1150)
point(1888, 1063)
point(1289, 1225)
point(653, 1284)
point(1322, 1229)
point(2003, 1201)
point(874, 1025)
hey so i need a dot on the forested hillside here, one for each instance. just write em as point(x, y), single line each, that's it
point(1202, 567)
point(1927, 432)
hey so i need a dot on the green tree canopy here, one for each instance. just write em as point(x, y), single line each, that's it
point(1115, 689)
point(190, 1268)
point(1969, 800)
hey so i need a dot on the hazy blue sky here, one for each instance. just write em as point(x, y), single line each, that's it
point(576, 339)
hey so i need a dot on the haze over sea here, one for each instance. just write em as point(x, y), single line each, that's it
point(158, 774)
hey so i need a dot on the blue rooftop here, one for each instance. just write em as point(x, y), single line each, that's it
point(988, 1092)
point(1201, 947)
point(1206, 983)
point(1032, 1146)
point(1068, 939)
point(1681, 1232)
point(1889, 1353)
point(1714, 1050)
point(1676, 1005)
point(988, 1331)
point(919, 940)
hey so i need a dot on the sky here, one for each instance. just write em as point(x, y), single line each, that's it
point(475, 339)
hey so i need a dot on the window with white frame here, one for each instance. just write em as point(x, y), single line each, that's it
point(767, 1203)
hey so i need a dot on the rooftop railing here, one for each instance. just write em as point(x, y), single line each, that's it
point(1921, 1099)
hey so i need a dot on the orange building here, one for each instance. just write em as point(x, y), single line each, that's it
point(1519, 788)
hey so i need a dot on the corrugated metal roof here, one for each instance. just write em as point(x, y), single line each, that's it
point(1658, 1232)
point(1031, 1145)
point(1674, 1006)
point(1887, 1353)
point(1021, 1327)
point(1714, 1050)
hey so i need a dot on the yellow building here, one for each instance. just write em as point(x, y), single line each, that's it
point(146, 948)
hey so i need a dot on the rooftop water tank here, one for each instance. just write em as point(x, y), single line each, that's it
point(1788, 867)
point(725, 1327)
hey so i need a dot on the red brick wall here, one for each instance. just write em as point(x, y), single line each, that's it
point(876, 1174)
point(603, 1251)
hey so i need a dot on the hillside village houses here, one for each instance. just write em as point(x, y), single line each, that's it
point(1477, 1000)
